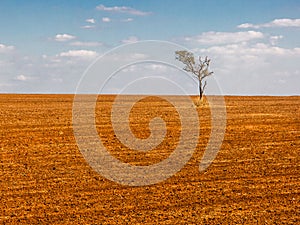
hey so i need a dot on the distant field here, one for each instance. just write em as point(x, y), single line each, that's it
point(255, 178)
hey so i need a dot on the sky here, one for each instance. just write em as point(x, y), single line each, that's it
point(47, 46)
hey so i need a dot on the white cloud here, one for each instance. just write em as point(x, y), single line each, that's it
point(6, 48)
point(127, 20)
point(126, 57)
point(274, 39)
point(285, 23)
point(106, 19)
point(79, 53)
point(48, 73)
point(275, 23)
point(64, 37)
point(88, 27)
point(122, 9)
point(130, 39)
point(92, 20)
point(148, 67)
point(244, 68)
point(246, 25)
point(158, 67)
point(212, 38)
point(86, 44)
point(22, 77)
point(241, 50)
point(136, 56)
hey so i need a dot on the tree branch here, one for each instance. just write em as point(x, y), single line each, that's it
point(203, 88)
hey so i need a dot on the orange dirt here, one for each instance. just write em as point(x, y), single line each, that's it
point(255, 178)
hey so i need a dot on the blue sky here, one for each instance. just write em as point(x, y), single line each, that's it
point(45, 46)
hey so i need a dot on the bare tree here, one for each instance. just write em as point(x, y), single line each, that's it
point(199, 69)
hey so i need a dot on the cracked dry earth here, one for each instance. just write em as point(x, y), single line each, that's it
point(255, 178)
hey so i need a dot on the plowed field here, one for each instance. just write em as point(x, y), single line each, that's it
point(255, 178)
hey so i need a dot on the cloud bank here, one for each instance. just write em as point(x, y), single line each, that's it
point(275, 23)
point(215, 38)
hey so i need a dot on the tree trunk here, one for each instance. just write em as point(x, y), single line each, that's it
point(200, 90)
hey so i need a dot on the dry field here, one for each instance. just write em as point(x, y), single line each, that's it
point(255, 178)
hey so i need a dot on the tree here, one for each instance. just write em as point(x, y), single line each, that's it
point(199, 69)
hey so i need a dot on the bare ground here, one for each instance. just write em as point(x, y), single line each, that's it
point(255, 178)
